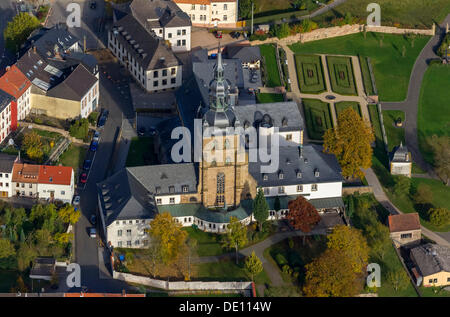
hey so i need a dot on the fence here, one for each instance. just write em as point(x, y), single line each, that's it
point(183, 286)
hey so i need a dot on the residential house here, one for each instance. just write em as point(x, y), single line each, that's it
point(166, 20)
point(5, 114)
point(64, 79)
point(211, 13)
point(433, 264)
point(56, 183)
point(400, 161)
point(405, 229)
point(148, 59)
point(15, 83)
point(6, 172)
point(25, 180)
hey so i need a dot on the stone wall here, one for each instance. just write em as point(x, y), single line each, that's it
point(178, 286)
point(356, 189)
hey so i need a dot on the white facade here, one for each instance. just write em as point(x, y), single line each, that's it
point(310, 191)
point(152, 80)
point(130, 233)
point(56, 191)
point(6, 184)
point(168, 199)
point(24, 105)
point(211, 14)
point(178, 37)
point(5, 122)
point(89, 102)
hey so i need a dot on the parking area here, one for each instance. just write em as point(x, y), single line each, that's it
point(201, 37)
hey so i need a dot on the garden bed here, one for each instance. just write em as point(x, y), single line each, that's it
point(340, 106)
point(310, 73)
point(318, 118)
point(269, 67)
point(342, 79)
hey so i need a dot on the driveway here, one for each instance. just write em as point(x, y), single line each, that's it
point(411, 103)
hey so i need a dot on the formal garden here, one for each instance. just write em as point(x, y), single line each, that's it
point(318, 118)
point(392, 57)
point(341, 75)
point(269, 67)
point(364, 63)
point(340, 106)
point(310, 73)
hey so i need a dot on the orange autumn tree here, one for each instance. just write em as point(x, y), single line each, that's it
point(350, 142)
point(302, 214)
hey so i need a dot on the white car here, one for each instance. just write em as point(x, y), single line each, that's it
point(92, 232)
point(76, 201)
point(96, 136)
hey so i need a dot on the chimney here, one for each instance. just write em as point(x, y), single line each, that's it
point(300, 151)
point(34, 48)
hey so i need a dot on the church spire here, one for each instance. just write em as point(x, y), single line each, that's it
point(219, 86)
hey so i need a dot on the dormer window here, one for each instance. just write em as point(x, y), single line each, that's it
point(316, 172)
point(171, 189)
point(299, 174)
point(280, 174)
point(158, 190)
point(265, 177)
point(185, 188)
point(284, 122)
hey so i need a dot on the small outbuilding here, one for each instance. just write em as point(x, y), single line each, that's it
point(43, 269)
point(400, 161)
point(405, 229)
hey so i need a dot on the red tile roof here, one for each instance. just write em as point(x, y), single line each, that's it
point(404, 222)
point(14, 82)
point(25, 173)
point(60, 175)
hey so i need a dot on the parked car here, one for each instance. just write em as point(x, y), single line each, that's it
point(218, 34)
point(94, 146)
point(76, 201)
point(87, 164)
point(92, 232)
point(96, 136)
point(83, 178)
point(101, 122)
point(235, 35)
point(93, 219)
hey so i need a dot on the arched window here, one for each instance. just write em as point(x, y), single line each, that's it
point(220, 193)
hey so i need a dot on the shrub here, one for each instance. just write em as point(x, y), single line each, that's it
point(281, 260)
point(79, 129)
point(439, 216)
point(93, 117)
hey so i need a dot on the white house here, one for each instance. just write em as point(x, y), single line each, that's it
point(6, 172)
point(210, 13)
point(5, 114)
point(56, 183)
point(148, 59)
point(166, 20)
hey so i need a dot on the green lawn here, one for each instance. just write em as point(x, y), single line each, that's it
point(310, 73)
point(340, 70)
point(409, 13)
point(208, 244)
point(430, 292)
point(275, 10)
point(340, 106)
point(268, 98)
point(394, 134)
point(73, 156)
point(318, 118)
point(270, 67)
point(434, 115)
point(391, 70)
point(141, 152)
point(367, 79)
point(227, 270)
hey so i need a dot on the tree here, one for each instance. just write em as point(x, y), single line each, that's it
point(398, 279)
point(169, 235)
point(260, 208)
point(236, 236)
point(350, 241)
point(68, 214)
point(423, 195)
point(302, 214)
point(20, 286)
point(25, 255)
point(441, 153)
point(253, 265)
point(153, 254)
point(439, 216)
point(281, 30)
point(63, 238)
point(7, 253)
point(331, 275)
point(245, 9)
point(79, 129)
point(378, 238)
point(348, 19)
point(32, 144)
point(402, 185)
point(18, 30)
point(350, 142)
point(282, 291)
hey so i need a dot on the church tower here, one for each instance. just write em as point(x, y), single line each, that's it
point(224, 176)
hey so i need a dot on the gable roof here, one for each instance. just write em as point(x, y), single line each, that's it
point(25, 173)
point(75, 86)
point(150, 51)
point(58, 175)
point(159, 13)
point(400, 154)
point(245, 53)
point(5, 100)
point(14, 82)
point(404, 222)
point(7, 162)
point(431, 258)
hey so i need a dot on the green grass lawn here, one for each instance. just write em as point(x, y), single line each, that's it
point(318, 118)
point(275, 10)
point(268, 98)
point(228, 270)
point(394, 134)
point(270, 67)
point(365, 72)
point(141, 152)
point(310, 73)
point(409, 13)
point(73, 156)
point(391, 70)
point(208, 244)
point(376, 124)
point(340, 70)
point(434, 115)
point(340, 106)
point(430, 292)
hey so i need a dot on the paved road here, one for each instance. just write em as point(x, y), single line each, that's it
point(380, 195)
point(410, 104)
